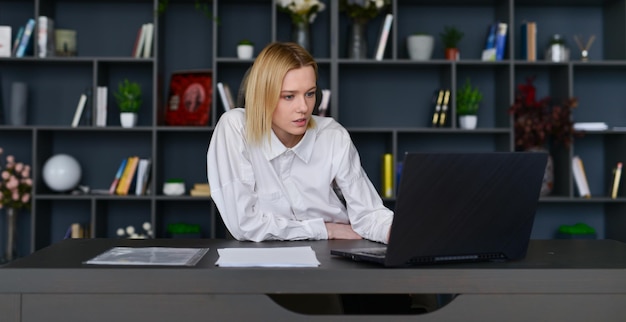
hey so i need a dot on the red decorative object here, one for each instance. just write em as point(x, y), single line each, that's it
point(190, 98)
point(538, 121)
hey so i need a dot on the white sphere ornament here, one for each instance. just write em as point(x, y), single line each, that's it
point(61, 172)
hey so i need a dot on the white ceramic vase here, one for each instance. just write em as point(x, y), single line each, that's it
point(468, 122)
point(245, 51)
point(420, 47)
point(128, 119)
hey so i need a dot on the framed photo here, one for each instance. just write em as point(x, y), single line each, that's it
point(190, 97)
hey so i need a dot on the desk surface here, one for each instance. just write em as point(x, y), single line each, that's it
point(559, 280)
point(571, 262)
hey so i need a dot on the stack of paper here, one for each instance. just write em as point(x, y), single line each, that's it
point(267, 257)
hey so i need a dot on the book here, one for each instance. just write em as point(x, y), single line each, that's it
point(25, 41)
point(118, 176)
point(143, 176)
point(101, 105)
point(323, 108)
point(79, 110)
point(225, 96)
point(580, 177)
point(590, 126)
point(489, 53)
point(45, 37)
point(501, 40)
point(437, 101)
point(617, 177)
point(16, 42)
point(443, 115)
point(528, 41)
point(128, 175)
point(190, 97)
point(5, 41)
point(200, 190)
point(147, 48)
point(383, 37)
point(139, 41)
point(388, 174)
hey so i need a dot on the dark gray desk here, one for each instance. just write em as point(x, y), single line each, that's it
point(560, 280)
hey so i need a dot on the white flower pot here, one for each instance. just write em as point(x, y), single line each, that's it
point(420, 47)
point(128, 119)
point(245, 51)
point(468, 122)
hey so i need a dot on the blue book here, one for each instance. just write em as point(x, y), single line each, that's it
point(491, 36)
point(118, 176)
point(26, 40)
point(501, 40)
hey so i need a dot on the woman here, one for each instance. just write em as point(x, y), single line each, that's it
point(274, 168)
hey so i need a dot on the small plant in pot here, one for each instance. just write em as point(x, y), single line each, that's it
point(451, 36)
point(468, 98)
point(128, 98)
point(245, 49)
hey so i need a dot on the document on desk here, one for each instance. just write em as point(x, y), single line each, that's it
point(267, 257)
point(168, 256)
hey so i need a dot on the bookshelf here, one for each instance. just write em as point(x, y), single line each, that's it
point(384, 104)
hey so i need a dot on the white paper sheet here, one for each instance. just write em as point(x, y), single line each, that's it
point(267, 257)
point(169, 256)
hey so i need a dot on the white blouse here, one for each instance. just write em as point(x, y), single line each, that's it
point(270, 192)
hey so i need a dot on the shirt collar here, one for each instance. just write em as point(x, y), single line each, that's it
point(304, 148)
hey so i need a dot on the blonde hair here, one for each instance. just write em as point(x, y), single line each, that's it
point(264, 83)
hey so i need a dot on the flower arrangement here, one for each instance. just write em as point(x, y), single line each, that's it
point(301, 10)
point(15, 184)
point(363, 9)
point(537, 121)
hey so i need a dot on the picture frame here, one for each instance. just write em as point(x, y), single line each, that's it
point(190, 98)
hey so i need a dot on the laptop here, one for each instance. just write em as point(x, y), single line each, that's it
point(461, 207)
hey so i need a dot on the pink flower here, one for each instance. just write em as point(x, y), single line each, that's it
point(26, 198)
point(19, 166)
point(5, 175)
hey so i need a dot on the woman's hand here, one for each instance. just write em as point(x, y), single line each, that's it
point(341, 231)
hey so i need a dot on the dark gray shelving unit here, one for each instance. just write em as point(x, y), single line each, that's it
point(385, 104)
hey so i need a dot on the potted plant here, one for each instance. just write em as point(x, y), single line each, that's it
point(537, 123)
point(128, 98)
point(245, 49)
point(467, 100)
point(420, 46)
point(450, 38)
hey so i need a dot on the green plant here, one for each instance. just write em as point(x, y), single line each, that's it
point(467, 99)
point(128, 96)
point(451, 36)
point(245, 42)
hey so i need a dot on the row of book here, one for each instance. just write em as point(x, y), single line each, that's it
point(143, 42)
point(132, 177)
point(582, 185)
point(38, 32)
point(440, 108)
point(496, 42)
point(83, 112)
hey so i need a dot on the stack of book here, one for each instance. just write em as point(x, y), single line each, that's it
point(132, 177)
